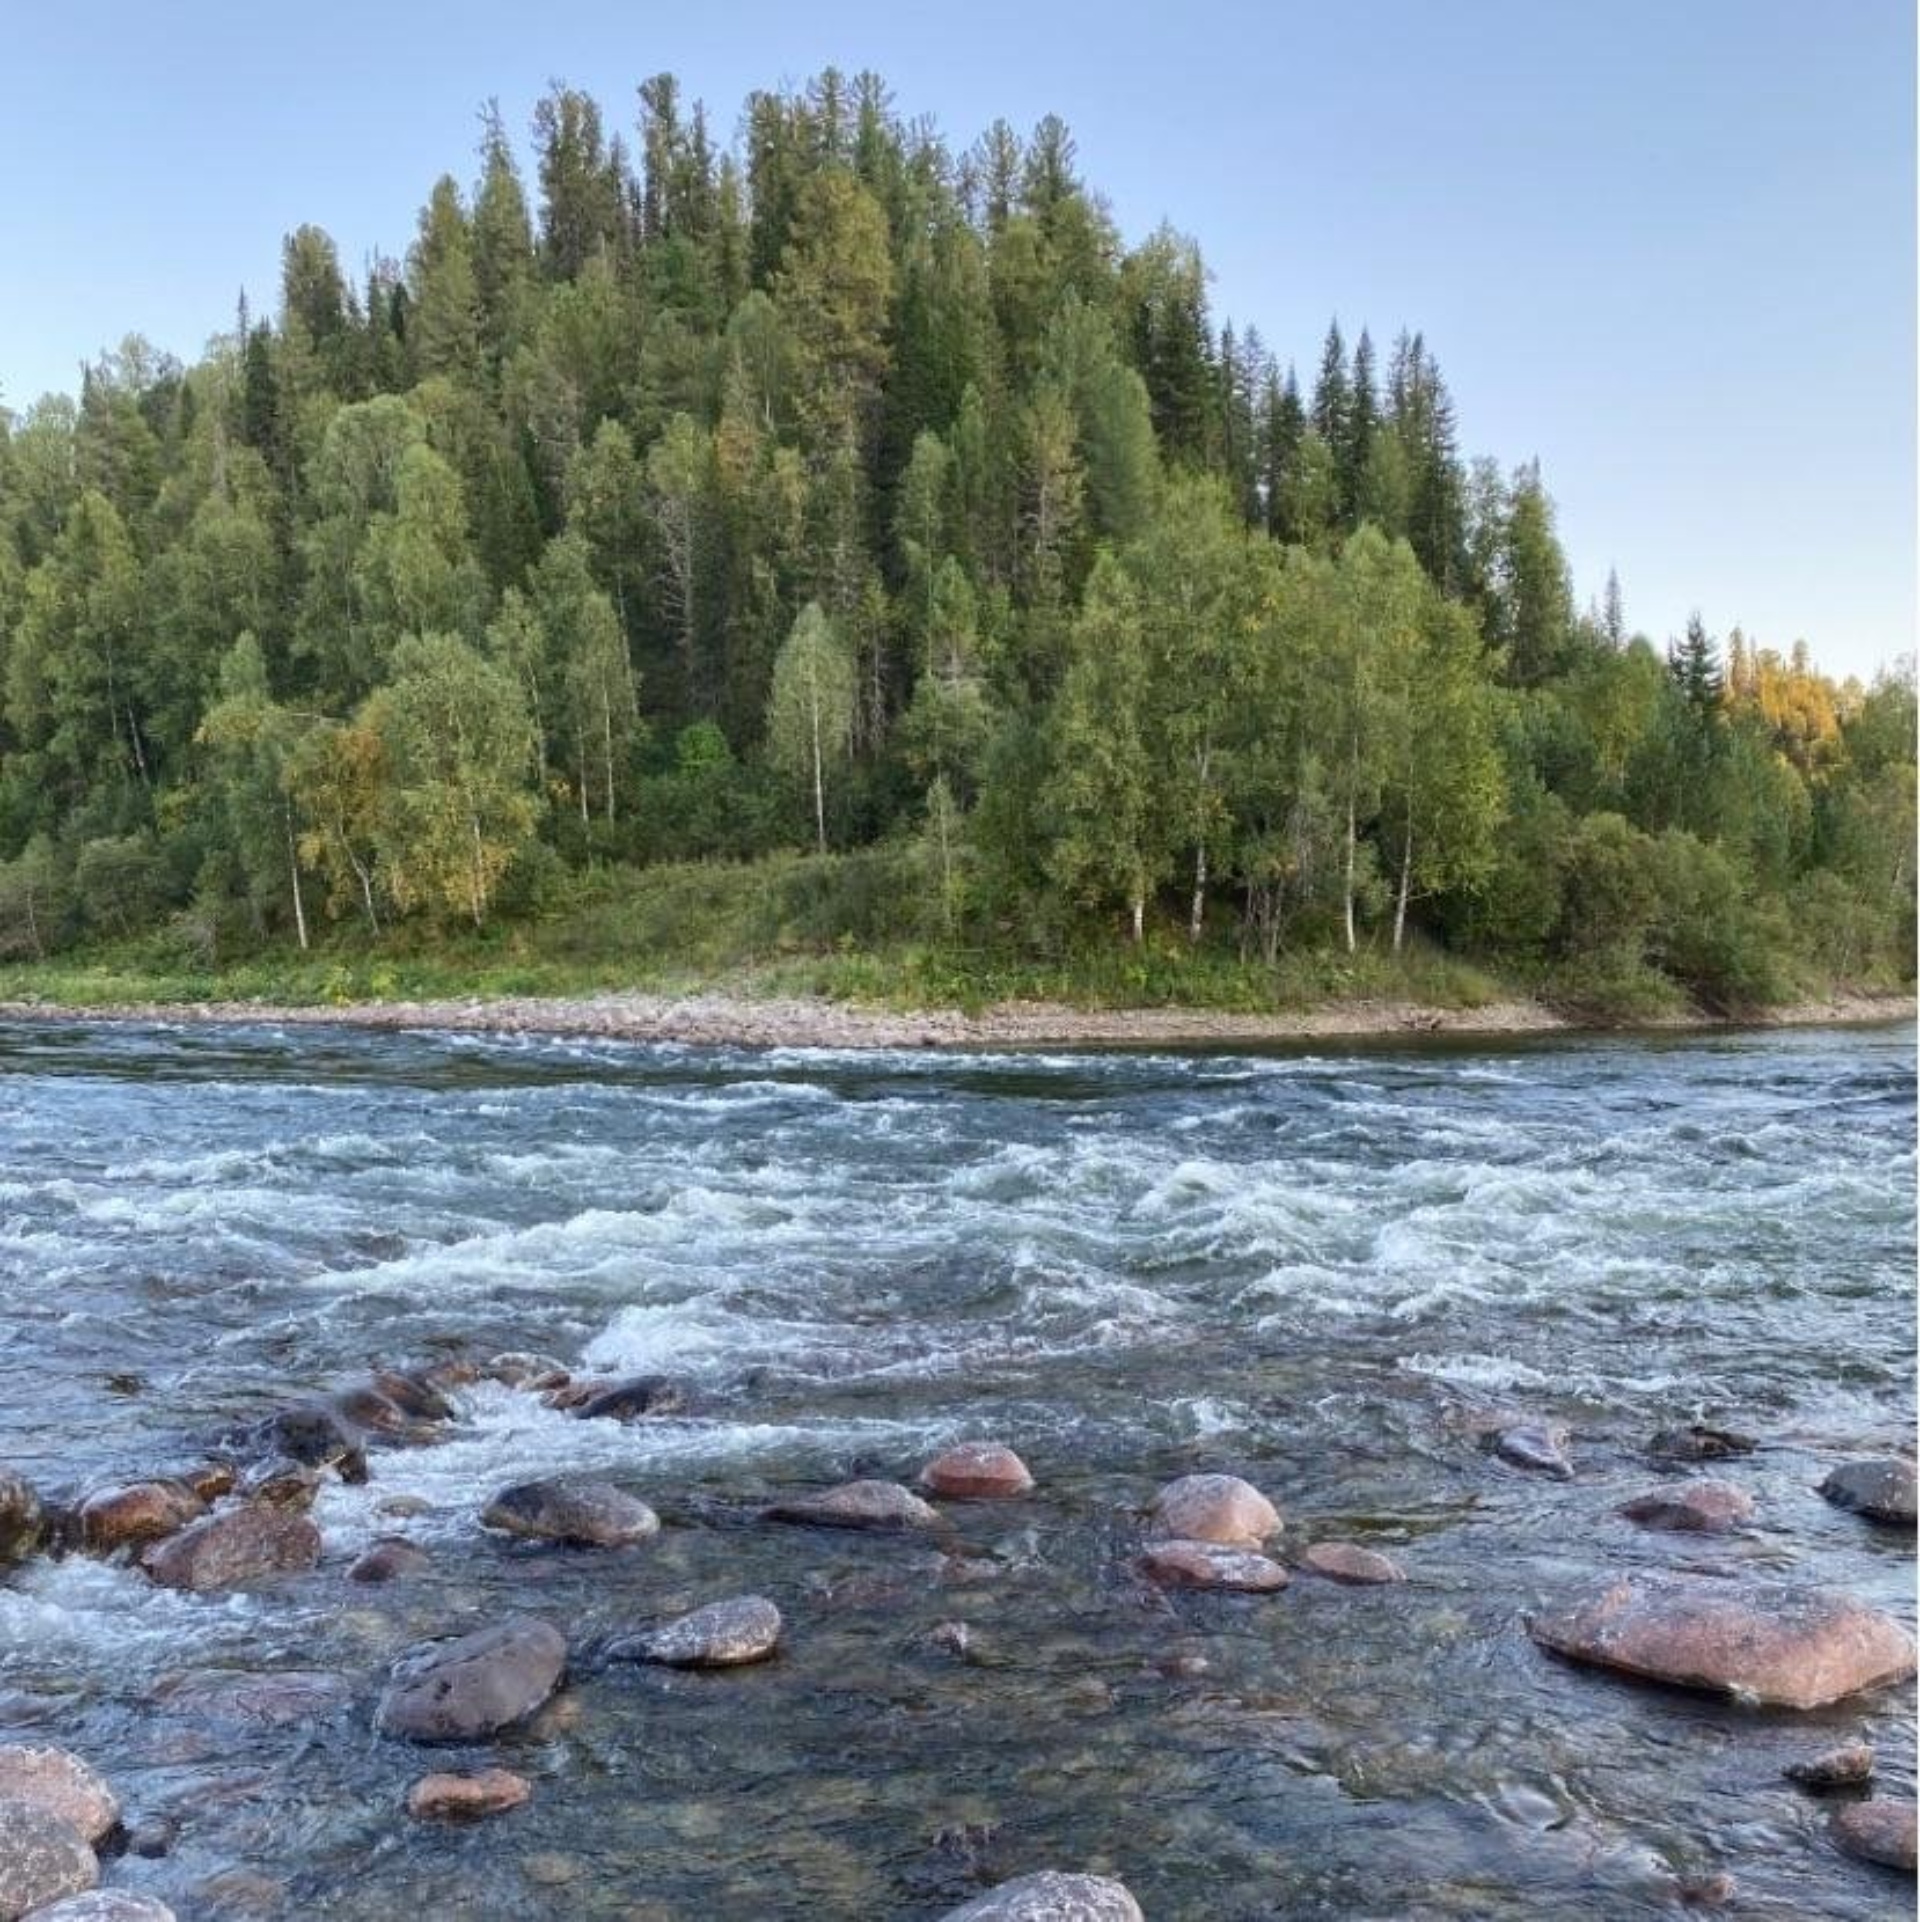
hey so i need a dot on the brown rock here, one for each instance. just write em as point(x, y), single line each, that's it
point(1211, 1565)
point(1882, 1490)
point(1349, 1562)
point(281, 1483)
point(1711, 1890)
point(60, 1783)
point(1877, 1830)
point(976, 1471)
point(466, 1798)
point(584, 1514)
point(20, 1518)
point(211, 1480)
point(1760, 1641)
point(141, 1512)
point(1835, 1768)
point(633, 1399)
point(1697, 1442)
point(526, 1371)
point(858, 1505)
point(1214, 1508)
point(413, 1394)
point(42, 1858)
point(1051, 1897)
point(390, 1558)
point(313, 1435)
point(1697, 1508)
point(247, 1544)
point(462, 1690)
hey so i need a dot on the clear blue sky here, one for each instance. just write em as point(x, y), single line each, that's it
point(1665, 245)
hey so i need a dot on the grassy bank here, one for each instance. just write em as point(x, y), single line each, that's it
point(840, 927)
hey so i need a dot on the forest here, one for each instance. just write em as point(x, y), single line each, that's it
point(841, 518)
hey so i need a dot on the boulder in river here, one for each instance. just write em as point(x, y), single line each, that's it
point(1211, 1565)
point(389, 1559)
point(976, 1471)
point(414, 1394)
point(211, 1480)
point(1844, 1767)
point(1761, 1642)
point(20, 1518)
point(526, 1371)
point(1877, 1830)
point(470, 1688)
point(726, 1634)
point(1881, 1490)
point(281, 1482)
point(1214, 1508)
point(246, 1544)
point(582, 1514)
point(1696, 1508)
point(42, 1858)
point(313, 1435)
point(1349, 1562)
point(1051, 1897)
point(467, 1798)
point(1700, 1442)
point(1537, 1445)
point(632, 1400)
point(140, 1512)
point(105, 1905)
point(58, 1781)
point(858, 1505)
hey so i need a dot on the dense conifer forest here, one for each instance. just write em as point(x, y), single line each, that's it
point(870, 511)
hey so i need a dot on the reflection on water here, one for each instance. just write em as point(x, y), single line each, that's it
point(1312, 1269)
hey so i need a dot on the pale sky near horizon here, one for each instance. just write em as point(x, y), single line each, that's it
point(1667, 248)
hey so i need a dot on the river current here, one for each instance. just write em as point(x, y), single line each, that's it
point(1320, 1270)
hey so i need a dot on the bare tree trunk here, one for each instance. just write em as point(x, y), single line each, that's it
point(365, 873)
point(1406, 885)
point(1352, 845)
point(293, 867)
point(1196, 920)
point(819, 777)
point(606, 740)
point(1139, 919)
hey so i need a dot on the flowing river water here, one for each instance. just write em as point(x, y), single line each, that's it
point(1314, 1269)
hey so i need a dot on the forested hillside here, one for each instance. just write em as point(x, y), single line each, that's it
point(838, 489)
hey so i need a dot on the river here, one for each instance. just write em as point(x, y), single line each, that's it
point(1316, 1269)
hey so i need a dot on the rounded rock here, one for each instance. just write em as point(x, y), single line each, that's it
point(60, 1783)
point(858, 1505)
point(467, 1798)
point(1695, 1508)
point(635, 1399)
point(1536, 1445)
point(1349, 1562)
point(1883, 1491)
point(977, 1471)
point(1878, 1830)
point(1835, 1768)
point(105, 1905)
point(1212, 1565)
point(139, 1513)
point(247, 1544)
point(463, 1690)
point(722, 1635)
point(42, 1858)
point(1051, 1897)
point(1221, 1509)
point(388, 1559)
point(578, 1514)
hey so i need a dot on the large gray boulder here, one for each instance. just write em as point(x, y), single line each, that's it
point(251, 1543)
point(726, 1634)
point(1761, 1642)
point(1882, 1490)
point(465, 1690)
point(585, 1514)
point(1051, 1897)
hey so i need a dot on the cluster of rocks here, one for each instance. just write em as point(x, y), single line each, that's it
point(56, 1811)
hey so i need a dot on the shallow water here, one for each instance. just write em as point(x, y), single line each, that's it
point(1314, 1269)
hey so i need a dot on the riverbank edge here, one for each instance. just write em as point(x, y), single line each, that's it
point(730, 1020)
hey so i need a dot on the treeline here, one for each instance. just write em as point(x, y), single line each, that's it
point(834, 488)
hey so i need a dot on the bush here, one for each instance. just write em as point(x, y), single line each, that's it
point(121, 883)
point(1710, 932)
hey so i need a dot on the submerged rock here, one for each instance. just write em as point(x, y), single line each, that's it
point(1883, 1490)
point(526, 1371)
point(42, 1858)
point(105, 1905)
point(1051, 1897)
point(1211, 1565)
point(858, 1505)
point(59, 1782)
point(281, 1482)
point(632, 1400)
point(721, 1635)
point(1760, 1641)
point(1536, 1445)
point(463, 1690)
point(1877, 1830)
point(1349, 1562)
point(247, 1544)
point(1700, 1508)
point(467, 1798)
point(20, 1518)
point(313, 1435)
point(390, 1558)
point(1698, 1442)
point(413, 1394)
point(976, 1471)
point(141, 1512)
point(1835, 1768)
point(1214, 1508)
point(583, 1514)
